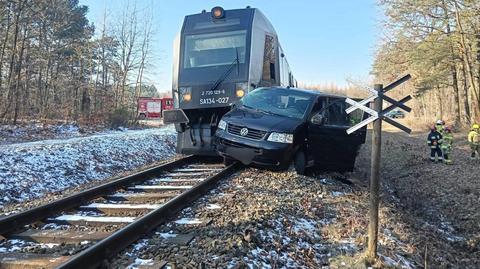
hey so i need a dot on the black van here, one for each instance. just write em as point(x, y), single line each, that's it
point(274, 126)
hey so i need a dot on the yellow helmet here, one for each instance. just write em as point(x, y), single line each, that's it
point(475, 126)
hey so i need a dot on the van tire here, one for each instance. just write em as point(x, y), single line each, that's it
point(300, 162)
point(142, 116)
point(228, 161)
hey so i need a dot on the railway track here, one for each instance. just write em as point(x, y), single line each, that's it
point(84, 229)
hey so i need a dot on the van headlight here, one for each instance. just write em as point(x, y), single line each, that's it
point(281, 138)
point(222, 125)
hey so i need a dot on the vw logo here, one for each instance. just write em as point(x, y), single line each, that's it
point(243, 131)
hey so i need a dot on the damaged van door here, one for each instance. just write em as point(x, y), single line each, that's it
point(328, 141)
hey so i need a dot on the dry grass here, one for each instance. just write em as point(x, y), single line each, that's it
point(435, 206)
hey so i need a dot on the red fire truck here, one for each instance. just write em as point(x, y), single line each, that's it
point(149, 107)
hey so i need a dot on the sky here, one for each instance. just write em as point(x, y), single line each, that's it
point(324, 41)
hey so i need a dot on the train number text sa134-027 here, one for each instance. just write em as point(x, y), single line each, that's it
point(212, 100)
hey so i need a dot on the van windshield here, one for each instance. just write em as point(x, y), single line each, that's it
point(281, 102)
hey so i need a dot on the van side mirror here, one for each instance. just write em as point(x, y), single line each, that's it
point(318, 119)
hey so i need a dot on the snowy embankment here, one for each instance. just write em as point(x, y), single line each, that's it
point(30, 170)
point(35, 131)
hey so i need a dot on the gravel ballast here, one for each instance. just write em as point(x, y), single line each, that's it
point(263, 219)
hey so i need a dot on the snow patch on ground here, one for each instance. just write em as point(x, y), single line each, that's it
point(36, 131)
point(401, 263)
point(167, 235)
point(17, 245)
point(213, 206)
point(337, 193)
point(184, 221)
point(30, 170)
point(141, 262)
point(93, 219)
point(137, 247)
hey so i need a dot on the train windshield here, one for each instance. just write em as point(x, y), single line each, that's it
point(205, 50)
point(281, 102)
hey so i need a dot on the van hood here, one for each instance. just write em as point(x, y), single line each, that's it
point(262, 121)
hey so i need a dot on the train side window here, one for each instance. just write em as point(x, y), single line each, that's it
point(268, 74)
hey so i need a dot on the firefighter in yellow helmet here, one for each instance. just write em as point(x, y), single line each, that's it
point(474, 140)
point(447, 145)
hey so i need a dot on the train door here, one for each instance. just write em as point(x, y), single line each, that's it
point(269, 76)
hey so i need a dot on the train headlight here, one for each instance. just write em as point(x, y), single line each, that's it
point(240, 89)
point(222, 125)
point(280, 138)
point(218, 13)
point(240, 93)
point(185, 94)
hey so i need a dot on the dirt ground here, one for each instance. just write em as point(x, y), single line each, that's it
point(438, 203)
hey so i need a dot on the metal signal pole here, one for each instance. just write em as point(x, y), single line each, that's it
point(375, 176)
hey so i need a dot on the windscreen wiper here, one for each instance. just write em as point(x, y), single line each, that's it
point(236, 62)
point(259, 110)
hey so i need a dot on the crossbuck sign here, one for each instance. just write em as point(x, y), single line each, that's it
point(377, 115)
point(375, 93)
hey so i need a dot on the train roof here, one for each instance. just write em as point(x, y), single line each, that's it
point(244, 15)
point(247, 9)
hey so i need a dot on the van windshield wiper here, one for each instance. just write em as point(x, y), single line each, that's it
point(260, 110)
point(227, 72)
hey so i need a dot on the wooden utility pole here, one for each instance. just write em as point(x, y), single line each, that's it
point(377, 115)
point(375, 176)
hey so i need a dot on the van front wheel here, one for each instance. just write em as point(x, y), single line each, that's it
point(300, 162)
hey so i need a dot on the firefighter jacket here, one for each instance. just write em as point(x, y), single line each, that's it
point(434, 139)
point(474, 138)
point(440, 128)
point(447, 141)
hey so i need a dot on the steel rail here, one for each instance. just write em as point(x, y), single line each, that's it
point(12, 223)
point(106, 248)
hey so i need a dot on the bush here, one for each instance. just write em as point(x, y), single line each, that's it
point(119, 117)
